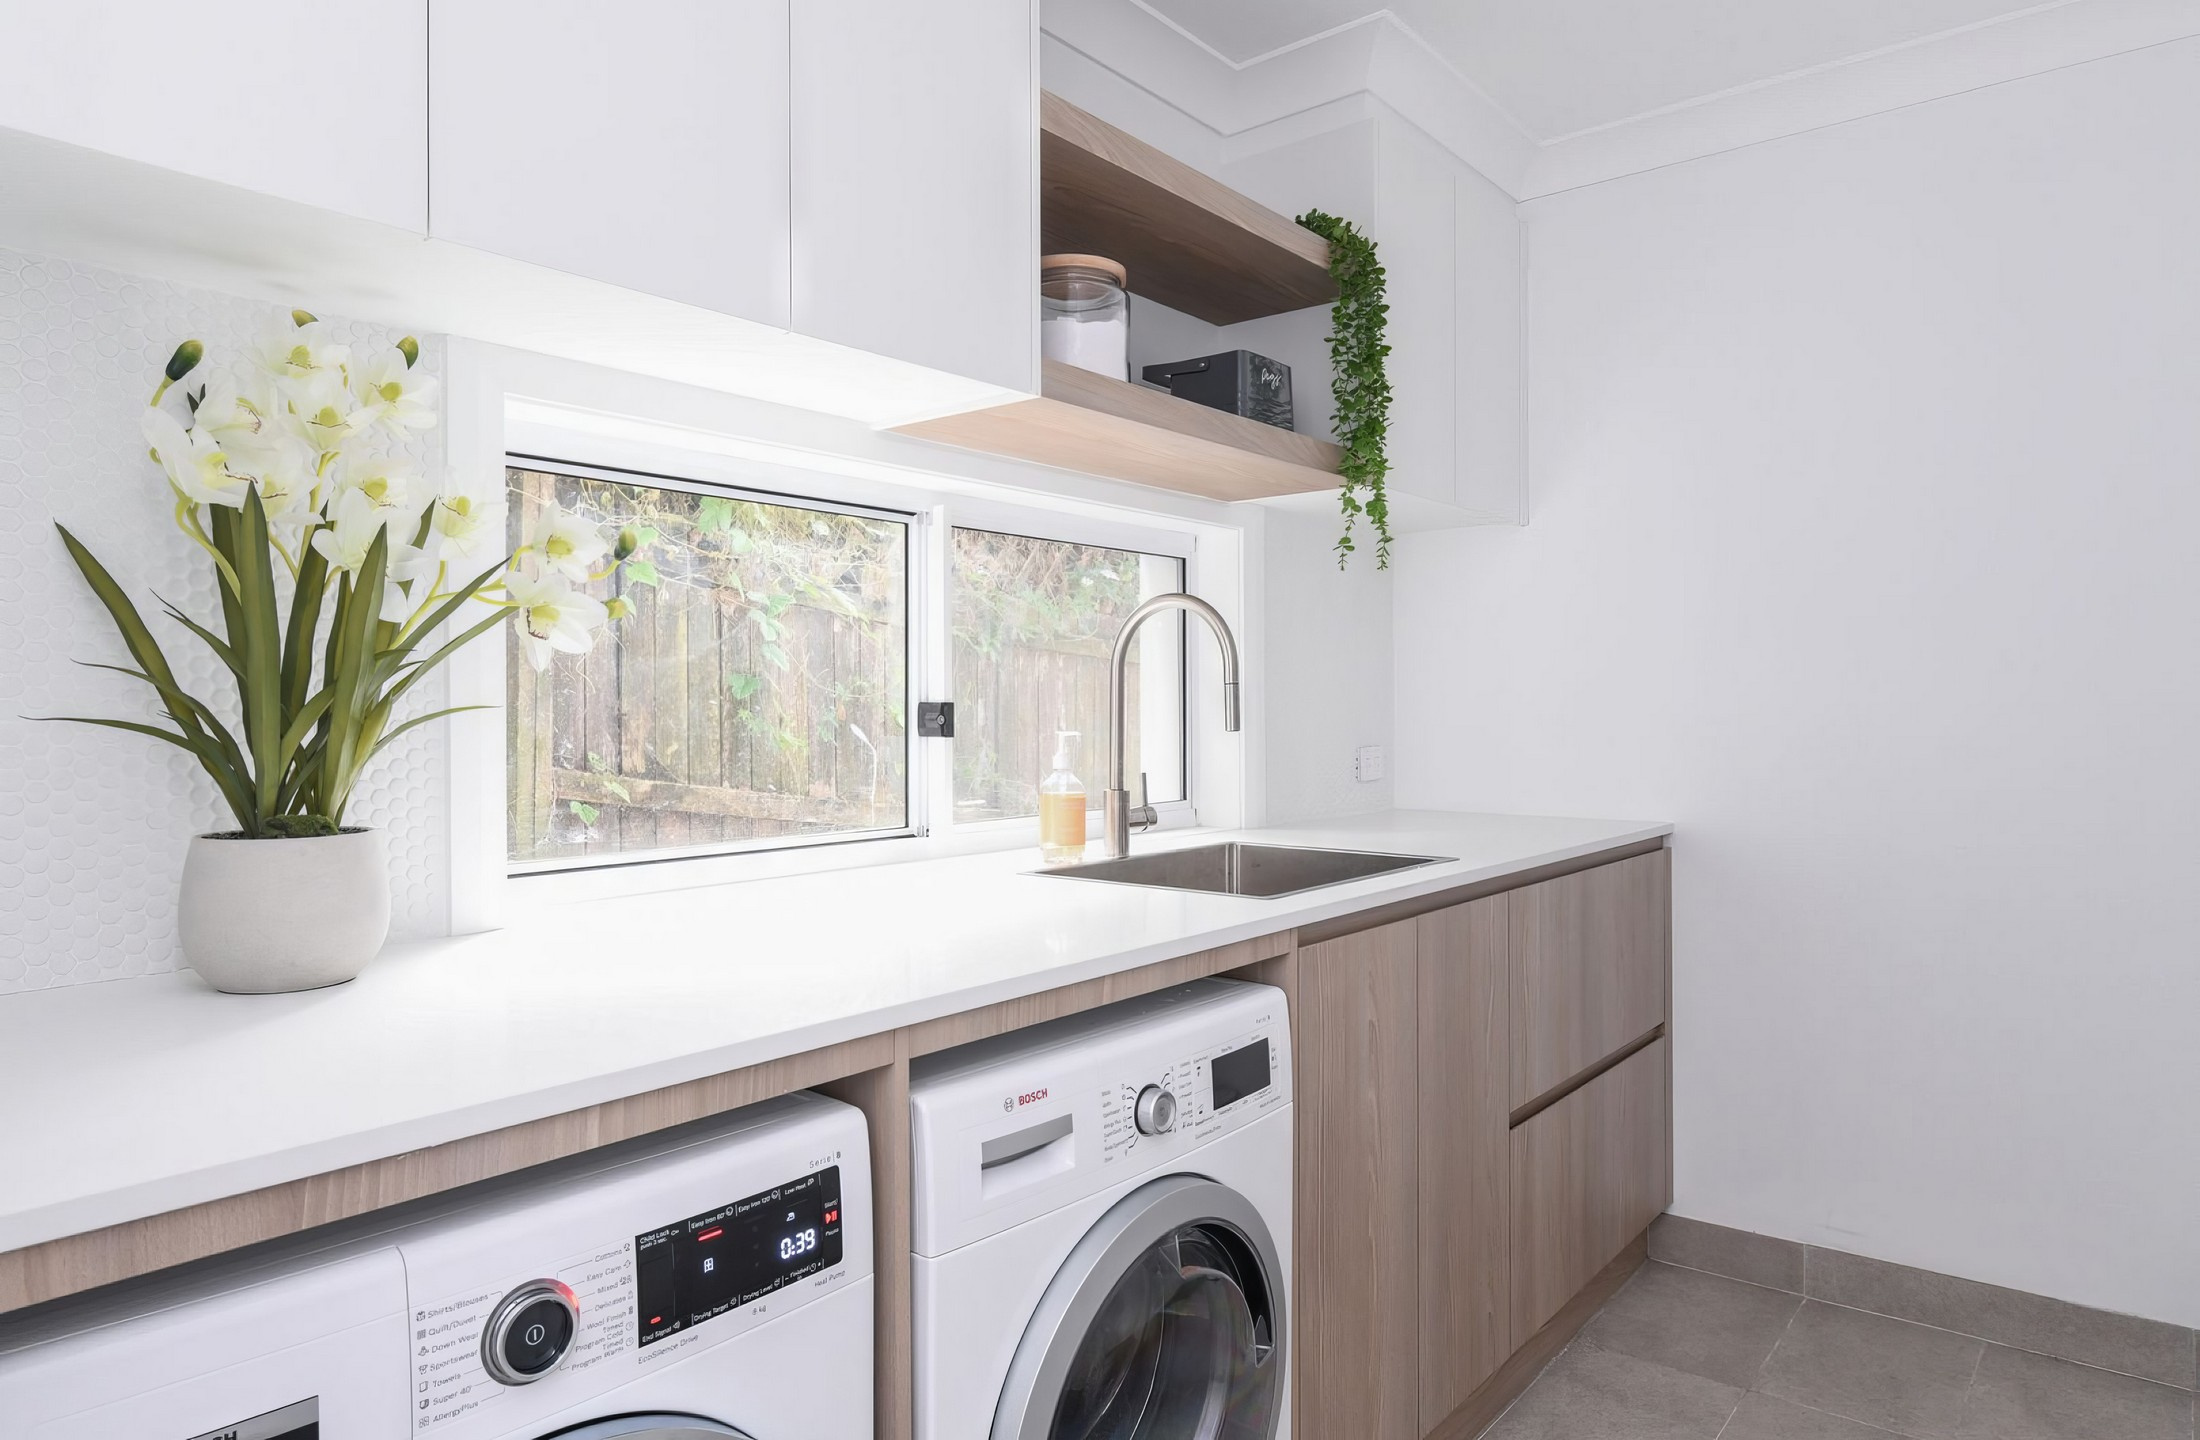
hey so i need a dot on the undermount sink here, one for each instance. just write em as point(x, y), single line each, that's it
point(1237, 868)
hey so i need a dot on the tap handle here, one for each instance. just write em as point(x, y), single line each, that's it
point(1144, 818)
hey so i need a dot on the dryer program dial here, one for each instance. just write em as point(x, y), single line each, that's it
point(529, 1332)
point(1156, 1113)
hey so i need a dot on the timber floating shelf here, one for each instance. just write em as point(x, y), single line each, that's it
point(1090, 423)
point(1189, 242)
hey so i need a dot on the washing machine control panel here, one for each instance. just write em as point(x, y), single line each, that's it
point(529, 1307)
point(1199, 1095)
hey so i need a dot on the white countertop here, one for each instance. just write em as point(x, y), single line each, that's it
point(134, 1097)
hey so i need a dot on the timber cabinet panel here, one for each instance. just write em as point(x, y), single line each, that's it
point(1588, 969)
point(1357, 1314)
point(1465, 1146)
point(1589, 1174)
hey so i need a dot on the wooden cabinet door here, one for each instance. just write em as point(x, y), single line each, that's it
point(1465, 1204)
point(1588, 969)
point(1355, 1303)
point(323, 104)
point(1588, 1174)
point(643, 144)
point(915, 182)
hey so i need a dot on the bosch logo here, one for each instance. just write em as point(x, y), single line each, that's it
point(1032, 1097)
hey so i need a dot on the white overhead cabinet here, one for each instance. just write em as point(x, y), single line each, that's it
point(915, 184)
point(1451, 246)
point(1413, 225)
point(643, 144)
point(318, 103)
point(1489, 422)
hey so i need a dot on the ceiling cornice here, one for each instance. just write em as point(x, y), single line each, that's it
point(1382, 57)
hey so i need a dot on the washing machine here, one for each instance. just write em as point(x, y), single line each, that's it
point(711, 1281)
point(1101, 1231)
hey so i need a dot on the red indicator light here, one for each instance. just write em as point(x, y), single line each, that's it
point(831, 1216)
point(710, 1235)
point(656, 1319)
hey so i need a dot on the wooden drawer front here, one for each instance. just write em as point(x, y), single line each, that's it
point(1355, 1302)
point(1588, 1174)
point(1466, 1308)
point(1588, 969)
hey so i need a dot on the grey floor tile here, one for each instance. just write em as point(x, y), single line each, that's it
point(1592, 1394)
point(2021, 1396)
point(2154, 1349)
point(1686, 1320)
point(1883, 1372)
point(1759, 1259)
point(1761, 1417)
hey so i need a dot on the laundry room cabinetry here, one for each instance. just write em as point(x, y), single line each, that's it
point(321, 104)
point(1445, 1223)
point(643, 144)
point(1359, 1151)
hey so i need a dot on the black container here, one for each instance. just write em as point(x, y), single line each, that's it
point(1236, 380)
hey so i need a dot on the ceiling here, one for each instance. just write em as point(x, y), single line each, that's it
point(1563, 66)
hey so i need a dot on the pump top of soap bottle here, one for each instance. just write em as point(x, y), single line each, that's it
point(1061, 763)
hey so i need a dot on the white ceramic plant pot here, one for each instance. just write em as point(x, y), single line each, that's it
point(263, 916)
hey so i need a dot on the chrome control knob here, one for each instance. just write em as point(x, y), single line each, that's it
point(529, 1332)
point(1156, 1111)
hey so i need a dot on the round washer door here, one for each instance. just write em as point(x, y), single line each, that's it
point(651, 1427)
point(1166, 1322)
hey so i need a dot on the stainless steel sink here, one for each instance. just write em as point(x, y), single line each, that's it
point(1237, 868)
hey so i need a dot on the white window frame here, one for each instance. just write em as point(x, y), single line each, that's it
point(491, 422)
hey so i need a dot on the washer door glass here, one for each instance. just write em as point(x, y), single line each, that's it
point(651, 1427)
point(1165, 1323)
point(1176, 1351)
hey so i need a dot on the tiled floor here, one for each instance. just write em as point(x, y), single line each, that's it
point(1683, 1355)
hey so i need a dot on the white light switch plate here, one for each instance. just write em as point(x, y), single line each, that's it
point(1367, 764)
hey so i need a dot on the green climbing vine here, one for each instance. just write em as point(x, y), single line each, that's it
point(1360, 381)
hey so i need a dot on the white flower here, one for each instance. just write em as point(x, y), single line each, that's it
point(323, 409)
point(566, 544)
point(552, 617)
point(291, 353)
point(392, 396)
point(194, 463)
point(466, 525)
point(344, 543)
point(230, 412)
point(282, 467)
point(390, 483)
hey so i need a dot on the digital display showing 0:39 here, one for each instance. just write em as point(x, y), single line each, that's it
point(735, 1254)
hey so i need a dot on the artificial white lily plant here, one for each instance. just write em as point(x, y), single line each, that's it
point(337, 562)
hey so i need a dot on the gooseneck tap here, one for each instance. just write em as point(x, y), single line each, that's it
point(1116, 803)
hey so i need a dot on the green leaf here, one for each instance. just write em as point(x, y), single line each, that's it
point(1359, 381)
point(586, 811)
point(260, 685)
point(304, 623)
point(153, 664)
point(714, 515)
point(641, 572)
point(743, 685)
point(419, 720)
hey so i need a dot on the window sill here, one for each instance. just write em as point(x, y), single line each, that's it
point(615, 878)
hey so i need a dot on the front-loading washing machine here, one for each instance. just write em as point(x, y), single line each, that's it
point(1102, 1224)
point(710, 1281)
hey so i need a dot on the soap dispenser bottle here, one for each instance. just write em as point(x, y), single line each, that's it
point(1062, 807)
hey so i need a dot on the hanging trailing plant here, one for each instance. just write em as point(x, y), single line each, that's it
point(1359, 380)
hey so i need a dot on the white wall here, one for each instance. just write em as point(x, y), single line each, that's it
point(1866, 478)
